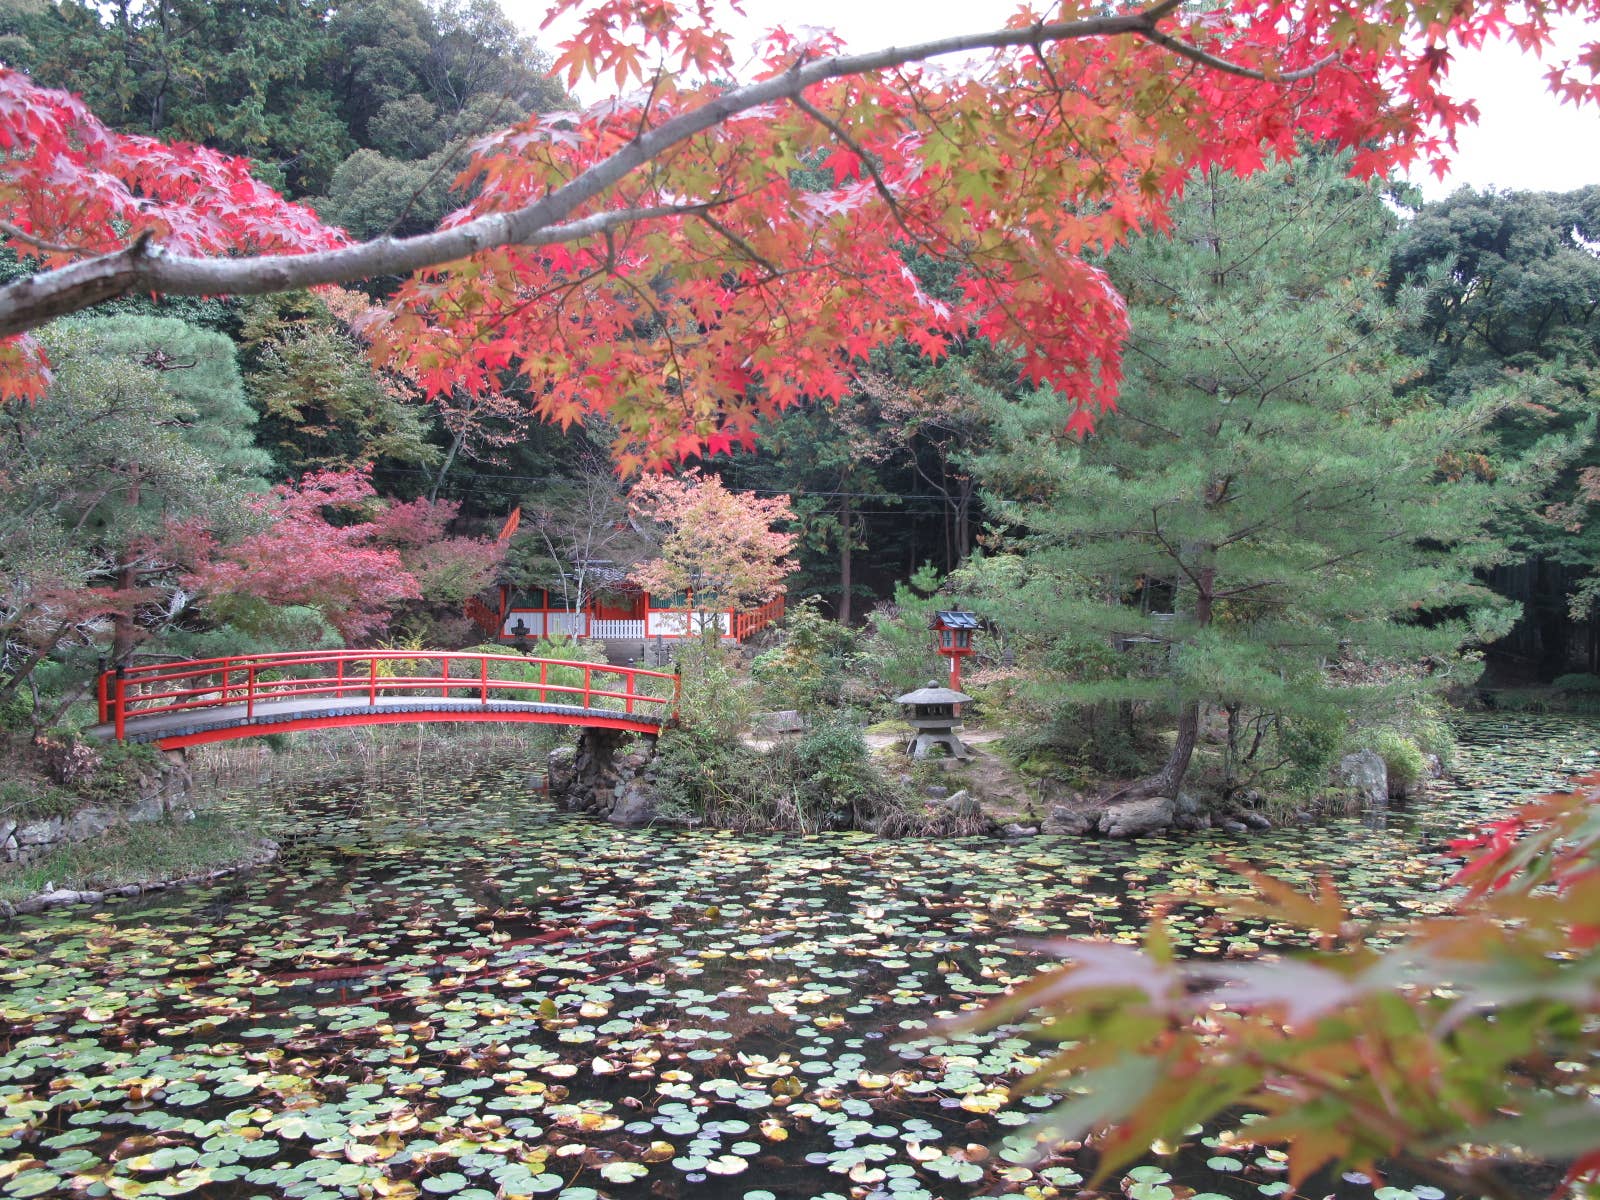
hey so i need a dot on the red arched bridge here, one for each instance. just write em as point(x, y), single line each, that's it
point(179, 704)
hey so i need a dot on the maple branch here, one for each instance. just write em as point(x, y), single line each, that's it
point(141, 267)
point(878, 182)
point(743, 246)
point(17, 233)
point(1207, 59)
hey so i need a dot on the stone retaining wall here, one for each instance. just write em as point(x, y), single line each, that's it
point(158, 793)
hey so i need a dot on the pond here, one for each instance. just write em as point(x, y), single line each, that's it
point(443, 988)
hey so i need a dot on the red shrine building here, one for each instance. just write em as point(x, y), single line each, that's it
point(617, 611)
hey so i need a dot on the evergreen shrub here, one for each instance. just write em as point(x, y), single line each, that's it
point(810, 668)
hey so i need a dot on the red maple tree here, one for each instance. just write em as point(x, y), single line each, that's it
point(671, 257)
point(301, 558)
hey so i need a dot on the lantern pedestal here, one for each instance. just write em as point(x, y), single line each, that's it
point(935, 718)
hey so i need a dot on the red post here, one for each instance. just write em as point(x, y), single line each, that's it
point(122, 705)
point(588, 673)
point(250, 692)
point(338, 675)
point(483, 678)
point(444, 664)
point(372, 681)
point(100, 695)
point(627, 705)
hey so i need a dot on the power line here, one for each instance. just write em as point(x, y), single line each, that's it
point(492, 479)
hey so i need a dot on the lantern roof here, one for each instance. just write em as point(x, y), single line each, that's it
point(933, 694)
point(955, 620)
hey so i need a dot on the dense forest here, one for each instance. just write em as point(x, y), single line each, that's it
point(236, 475)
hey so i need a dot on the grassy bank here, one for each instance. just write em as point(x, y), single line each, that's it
point(136, 855)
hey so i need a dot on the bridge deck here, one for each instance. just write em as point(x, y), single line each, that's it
point(221, 722)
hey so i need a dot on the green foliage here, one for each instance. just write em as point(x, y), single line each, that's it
point(809, 669)
point(1577, 684)
point(16, 714)
point(824, 780)
point(295, 86)
point(717, 697)
point(323, 407)
point(1082, 744)
point(898, 649)
point(1309, 744)
point(1512, 288)
point(33, 797)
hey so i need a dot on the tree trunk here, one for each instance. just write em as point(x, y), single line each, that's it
point(444, 468)
point(122, 628)
point(1169, 779)
point(846, 548)
point(11, 686)
point(963, 518)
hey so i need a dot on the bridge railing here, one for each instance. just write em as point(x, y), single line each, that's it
point(363, 676)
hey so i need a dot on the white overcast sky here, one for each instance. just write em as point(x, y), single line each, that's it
point(1524, 138)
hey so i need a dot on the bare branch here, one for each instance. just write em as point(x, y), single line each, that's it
point(1207, 59)
point(878, 183)
point(17, 233)
point(28, 303)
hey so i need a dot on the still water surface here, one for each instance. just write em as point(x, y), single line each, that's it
point(445, 989)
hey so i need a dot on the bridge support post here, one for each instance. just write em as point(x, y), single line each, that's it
point(610, 773)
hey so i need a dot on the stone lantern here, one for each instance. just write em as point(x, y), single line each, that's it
point(935, 714)
point(953, 636)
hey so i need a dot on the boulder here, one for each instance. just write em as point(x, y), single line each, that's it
point(1019, 831)
point(1135, 818)
point(636, 805)
point(146, 808)
point(87, 823)
point(39, 833)
point(1231, 826)
point(936, 791)
point(785, 721)
point(963, 805)
point(1257, 821)
point(1072, 821)
point(562, 769)
point(1364, 773)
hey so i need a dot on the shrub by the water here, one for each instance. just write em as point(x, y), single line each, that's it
point(824, 780)
point(717, 697)
point(1400, 755)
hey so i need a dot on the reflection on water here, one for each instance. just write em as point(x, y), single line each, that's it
point(444, 988)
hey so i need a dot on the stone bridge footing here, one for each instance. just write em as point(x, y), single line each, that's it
point(610, 773)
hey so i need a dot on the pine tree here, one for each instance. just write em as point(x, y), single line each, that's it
point(1261, 527)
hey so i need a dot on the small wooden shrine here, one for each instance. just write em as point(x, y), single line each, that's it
point(935, 716)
